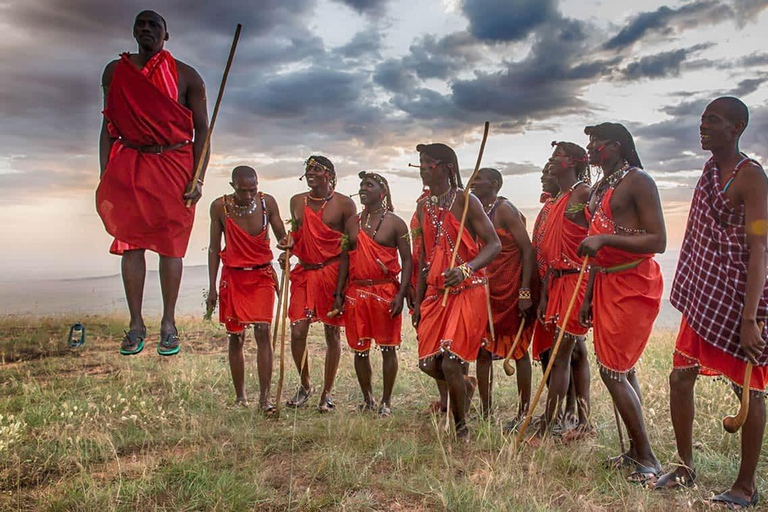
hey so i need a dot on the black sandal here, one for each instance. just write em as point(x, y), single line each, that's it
point(672, 481)
point(732, 502)
point(300, 398)
point(169, 344)
point(643, 475)
point(326, 404)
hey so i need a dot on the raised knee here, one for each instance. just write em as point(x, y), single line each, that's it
point(682, 379)
point(236, 341)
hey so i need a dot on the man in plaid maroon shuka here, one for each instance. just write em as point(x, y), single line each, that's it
point(720, 288)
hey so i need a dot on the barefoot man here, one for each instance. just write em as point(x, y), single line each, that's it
point(248, 281)
point(319, 217)
point(723, 257)
point(566, 228)
point(509, 284)
point(450, 336)
point(374, 297)
point(624, 291)
point(155, 124)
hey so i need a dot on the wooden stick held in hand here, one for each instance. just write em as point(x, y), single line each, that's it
point(466, 204)
point(553, 355)
point(284, 319)
point(207, 143)
point(508, 368)
point(732, 424)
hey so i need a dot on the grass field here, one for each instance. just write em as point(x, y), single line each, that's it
point(92, 430)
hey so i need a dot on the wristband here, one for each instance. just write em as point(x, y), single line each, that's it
point(524, 294)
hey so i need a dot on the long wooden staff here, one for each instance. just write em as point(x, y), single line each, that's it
point(732, 424)
point(284, 319)
point(491, 328)
point(553, 355)
point(279, 310)
point(207, 143)
point(466, 204)
point(508, 368)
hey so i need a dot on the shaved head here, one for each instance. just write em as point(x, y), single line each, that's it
point(243, 172)
point(734, 109)
point(493, 175)
point(153, 14)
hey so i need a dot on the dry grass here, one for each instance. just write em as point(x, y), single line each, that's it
point(91, 430)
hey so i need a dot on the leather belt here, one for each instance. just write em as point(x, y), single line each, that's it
point(259, 267)
point(318, 266)
point(155, 149)
point(556, 273)
point(371, 282)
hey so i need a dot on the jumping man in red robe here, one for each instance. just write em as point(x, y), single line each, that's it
point(450, 336)
point(155, 124)
point(319, 217)
point(509, 285)
point(247, 287)
point(374, 296)
point(721, 289)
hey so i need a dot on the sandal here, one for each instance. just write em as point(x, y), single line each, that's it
point(619, 462)
point(732, 502)
point(672, 481)
point(133, 343)
point(644, 475)
point(384, 411)
point(268, 409)
point(326, 404)
point(169, 345)
point(300, 398)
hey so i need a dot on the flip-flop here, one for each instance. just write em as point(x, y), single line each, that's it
point(169, 344)
point(384, 411)
point(268, 409)
point(643, 475)
point(300, 398)
point(326, 404)
point(731, 502)
point(132, 343)
point(672, 481)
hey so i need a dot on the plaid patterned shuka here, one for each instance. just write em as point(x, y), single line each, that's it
point(711, 278)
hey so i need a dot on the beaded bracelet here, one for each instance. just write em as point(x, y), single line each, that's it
point(524, 294)
point(466, 270)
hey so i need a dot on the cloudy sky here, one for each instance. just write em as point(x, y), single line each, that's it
point(363, 82)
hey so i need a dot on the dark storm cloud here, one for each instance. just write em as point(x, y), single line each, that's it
point(518, 168)
point(506, 20)
point(366, 6)
point(661, 65)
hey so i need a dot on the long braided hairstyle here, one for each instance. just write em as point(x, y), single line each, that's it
point(578, 156)
point(383, 183)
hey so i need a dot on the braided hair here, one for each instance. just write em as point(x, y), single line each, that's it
point(578, 156)
point(382, 182)
point(326, 164)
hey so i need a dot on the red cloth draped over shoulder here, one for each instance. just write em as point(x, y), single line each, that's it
point(539, 336)
point(505, 273)
point(558, 246)
point(315, 244)
point(459, 327)
point(625, 303)
point(248, 281)
point(139, 197)
point(367, 305)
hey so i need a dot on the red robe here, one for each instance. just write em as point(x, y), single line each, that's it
point(369, 294)
point(312, 289)
point(558, 247)
point(459, 327)
point(624, 303)
point(248, 284)
point(139, 198)
point(537, 334)
point(505, 273)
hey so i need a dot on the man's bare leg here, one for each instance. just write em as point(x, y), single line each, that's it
point(332, 358)
point(134, 270)
point(389, 367)
point(631, 412)
point(580, 379)
point(263, 363)
point(170, 281)
point(363, 371)
point(485, 380)
point(455, 377)
point(523, 372)
point(682, 408)
point(237, 366)
point(433, 367)
point(299, 332)
point(559, 379)
point(751, 443)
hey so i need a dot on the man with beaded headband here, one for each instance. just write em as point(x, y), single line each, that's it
point(248, 281)
point(509, 288)
point(318, 219)
point(374, 296)
point(566, 228)
point(721, 289)
point(450, 335)
point(624, 290)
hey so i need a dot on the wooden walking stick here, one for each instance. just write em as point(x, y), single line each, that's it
point(207, 143)
point(279, 310)
point(553, 355)
point(732, 424)
point(491, 328)
point(508, 368)
point(466, 204)
point(284, 319)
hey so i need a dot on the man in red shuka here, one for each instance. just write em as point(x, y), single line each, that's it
point(248, 281)
point(155, 125)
